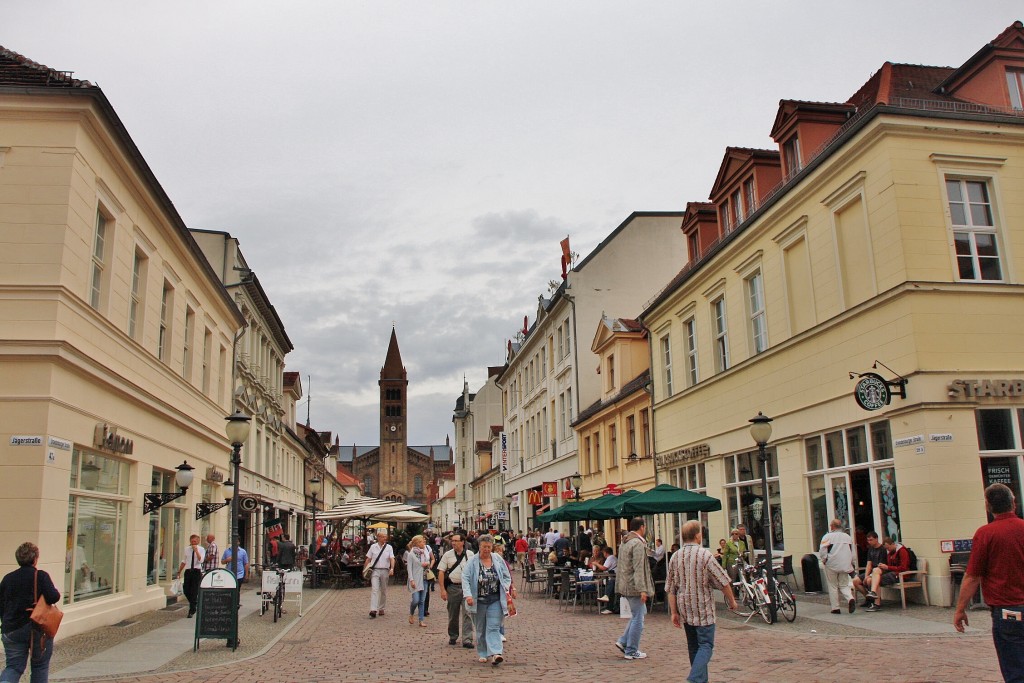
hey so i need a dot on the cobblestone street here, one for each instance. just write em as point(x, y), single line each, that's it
point(336, 641)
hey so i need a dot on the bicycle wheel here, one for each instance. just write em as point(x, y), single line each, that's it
point(264, 601)
point(761, 606)
point(277, 605)
point(787, 603)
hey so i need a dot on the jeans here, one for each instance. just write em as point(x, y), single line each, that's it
point(456, 613)
point(700, 642)
point(488, 621)
point(1008, 636)
point(416, 603)
point(635, 628)
point(16, 647)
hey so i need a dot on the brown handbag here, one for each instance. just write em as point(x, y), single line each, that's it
point(45, 616)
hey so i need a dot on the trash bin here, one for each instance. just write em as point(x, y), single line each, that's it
point(812, 575)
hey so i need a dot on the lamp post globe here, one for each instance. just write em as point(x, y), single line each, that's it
point(184, 476)
point(237, 430)
point(761, 432)
point(576, 481)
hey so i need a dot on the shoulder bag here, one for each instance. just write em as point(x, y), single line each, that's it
point(368, 571)
point(45, 617)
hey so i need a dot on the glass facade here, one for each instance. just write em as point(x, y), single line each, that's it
point(745, 497)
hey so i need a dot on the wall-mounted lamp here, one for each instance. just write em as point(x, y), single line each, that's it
point(155, 501)
point(205, 509)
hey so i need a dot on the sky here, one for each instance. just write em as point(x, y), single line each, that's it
point(417, 163)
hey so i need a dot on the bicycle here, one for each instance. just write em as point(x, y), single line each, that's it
point(754, 594)
point(275, 600)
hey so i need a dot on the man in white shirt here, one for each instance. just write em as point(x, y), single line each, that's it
point(549, 539)
point(836, 553)
point(192, 564)
point(608, 564)
point(381, 557)
point(449, 573)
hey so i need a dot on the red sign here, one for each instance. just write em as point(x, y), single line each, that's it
point(568, 495)
point(549, 488)
point(534, 498)
point(612, 490)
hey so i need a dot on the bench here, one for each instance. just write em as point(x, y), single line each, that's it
point(914, 578)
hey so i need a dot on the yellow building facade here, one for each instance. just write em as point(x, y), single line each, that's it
point(115, 354)
point(894, 246)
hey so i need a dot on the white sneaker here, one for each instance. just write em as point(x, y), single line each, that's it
point(603, 598)
point(606, 611)
point(503, 639)
point(638, 655)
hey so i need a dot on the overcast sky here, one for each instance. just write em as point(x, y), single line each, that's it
point(418, 162)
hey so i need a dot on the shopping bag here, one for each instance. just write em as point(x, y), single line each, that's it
point(176, 587)
point(624, 610)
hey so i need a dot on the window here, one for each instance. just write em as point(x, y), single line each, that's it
point(543, 363)
point(568, 403)
point(645, 428)
point(222, 376)
point(417, 485)
point(597, 452)
point(721, 335)
point(737, 207)
point(586, 455)
point(690, 337)
point(186, 363)
point(563, 417)
point(611, 373)
point(1015, 83)
point(368, 484)
point(99, 258)
point(974, 233)
point(631, 434)
point(726, 216)
point(135, 306)
point(613, 447)
point(666, 359)
point(693, 246)
point(746, 497)
point(568, 338)
point(748, 194)
point(561, 343)
point(691, 478)
point(97, 527)
point(791, 153)
point(207, 359)
point(163, 350)
point(755, 303)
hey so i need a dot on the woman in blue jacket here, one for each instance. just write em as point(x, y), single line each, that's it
point(487, 585)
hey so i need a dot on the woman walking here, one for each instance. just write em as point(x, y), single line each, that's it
point(416, 564)
point(19, 591)
point(487, 586)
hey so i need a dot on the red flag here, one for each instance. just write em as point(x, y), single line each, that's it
point(565, 248)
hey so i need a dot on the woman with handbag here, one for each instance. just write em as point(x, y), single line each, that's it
point(20, 591)
point(488, 590)
point(417, 566)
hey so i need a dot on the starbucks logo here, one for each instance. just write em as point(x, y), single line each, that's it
point(872, 392)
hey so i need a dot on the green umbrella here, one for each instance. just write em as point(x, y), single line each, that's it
point(608, 506)
point(556, 514)
point(665, 498)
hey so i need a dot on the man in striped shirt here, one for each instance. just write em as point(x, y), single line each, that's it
point(693, 574)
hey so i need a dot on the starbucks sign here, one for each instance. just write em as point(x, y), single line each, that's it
point(872, 392)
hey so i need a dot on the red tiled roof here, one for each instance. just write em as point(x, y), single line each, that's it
point(913, 81)
point(486, 445)
point(345, 478)
point(16, 69)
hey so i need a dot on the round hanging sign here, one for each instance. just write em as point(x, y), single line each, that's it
point(872, 392)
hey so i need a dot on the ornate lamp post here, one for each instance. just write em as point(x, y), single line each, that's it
point(761, 431)
point(238, 431)
point(155, 501)
point(314, 490)
point(204, 509)
point(577, 481)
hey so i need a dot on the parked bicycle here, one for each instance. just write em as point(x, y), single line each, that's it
point(752, 592)
point(274, 600)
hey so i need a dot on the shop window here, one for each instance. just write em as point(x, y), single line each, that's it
point(94, 565)
point(856, 447)
point(834, 449)
point(812, 448)
point(995, 429)
point(881, 441)
point(889, 504)
point(819, 506)
point(1005, 470)
point(166, 540)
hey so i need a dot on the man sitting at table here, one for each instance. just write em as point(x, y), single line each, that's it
point(608, 564)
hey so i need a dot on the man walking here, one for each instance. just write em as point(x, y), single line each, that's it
point(449, 573)
point(380, 557)
point(192, 564)
point(212, 553)
point(693, 573)
point(997, 555)
point(286, 553)
point(636, 585)
point(836, 553)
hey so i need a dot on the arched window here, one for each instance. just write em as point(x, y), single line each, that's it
point(368, 484)
point(417, 486)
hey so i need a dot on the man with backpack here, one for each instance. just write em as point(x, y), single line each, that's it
point(897, 559)
point(449, 573)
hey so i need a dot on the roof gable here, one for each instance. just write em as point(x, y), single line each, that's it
point(736, 161)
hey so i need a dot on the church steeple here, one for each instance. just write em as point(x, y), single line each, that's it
point(393, 368)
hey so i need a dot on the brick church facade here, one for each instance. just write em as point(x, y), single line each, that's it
point(394, 470)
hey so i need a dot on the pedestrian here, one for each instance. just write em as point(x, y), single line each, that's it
point(449, 573)
point(693, 574)
point(416, 564)
point(487, 587)
point(212, 553)
point(734, 549)
point(635, 585)
point(19, 591)
point(432, 556)
point(522, 548)
point(241, 576)
point(997, 556)
point(742, 530)
point(836, 553)
point(380, 557)
point(286, 553)
point(193, 559)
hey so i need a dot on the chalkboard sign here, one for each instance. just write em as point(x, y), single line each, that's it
point(217, 610)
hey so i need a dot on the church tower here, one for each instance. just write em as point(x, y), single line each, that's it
point(394, 471)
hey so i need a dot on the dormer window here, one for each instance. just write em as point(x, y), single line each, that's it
point(726, 217)
point(1015, 83)
point(693, 246)
point(737, 207)
point(791, 154)
point(748, 193)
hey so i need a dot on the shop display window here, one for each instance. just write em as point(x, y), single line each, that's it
point(745, 497)
point(1000, 434)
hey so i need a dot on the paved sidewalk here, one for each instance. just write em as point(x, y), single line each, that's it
point(336, 640)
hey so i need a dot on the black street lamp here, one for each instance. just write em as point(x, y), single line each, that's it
point(237, 431)
point(204, 509)
point(154, 501)
point(761, 431)
point(577, 481)
point(314, 490)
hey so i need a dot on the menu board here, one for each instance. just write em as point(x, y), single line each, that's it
point(217, 610)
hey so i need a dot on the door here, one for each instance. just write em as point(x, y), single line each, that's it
point(840, 505)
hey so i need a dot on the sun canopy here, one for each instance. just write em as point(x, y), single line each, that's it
point(665, 498)
point(596, 509)
point(364, 507)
